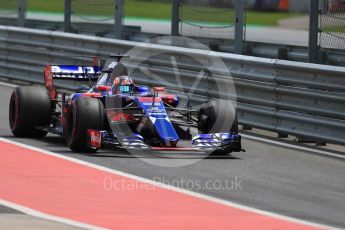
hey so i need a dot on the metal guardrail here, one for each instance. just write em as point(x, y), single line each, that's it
point(305, 100)
point(134, 33)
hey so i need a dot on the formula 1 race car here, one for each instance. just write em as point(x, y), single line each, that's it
point(116, 113)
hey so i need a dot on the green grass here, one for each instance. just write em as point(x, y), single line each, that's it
point(133, 8)
point(56, 6)
point(151, 10)
point(147, 9)
point(334, 29)
point(268, 18)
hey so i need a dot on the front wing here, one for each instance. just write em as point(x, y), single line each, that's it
point(212, 143)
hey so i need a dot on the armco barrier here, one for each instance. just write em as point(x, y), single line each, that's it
point(134, 33)
point(305, 100)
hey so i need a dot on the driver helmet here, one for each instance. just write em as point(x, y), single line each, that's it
point(123, 84)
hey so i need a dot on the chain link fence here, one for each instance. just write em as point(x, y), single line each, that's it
point(208, 18)
point(332, 26)
point(8, 9)
point(92, 16)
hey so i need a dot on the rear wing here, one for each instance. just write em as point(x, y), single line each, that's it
point(68, 72)
point(73, 72)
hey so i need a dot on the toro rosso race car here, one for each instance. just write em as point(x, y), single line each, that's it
point(116, 113)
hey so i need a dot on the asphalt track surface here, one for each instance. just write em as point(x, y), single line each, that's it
point(6, 210)
point(285, 181)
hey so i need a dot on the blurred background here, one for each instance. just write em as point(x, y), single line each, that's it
point(265, 28)
point(260, 12)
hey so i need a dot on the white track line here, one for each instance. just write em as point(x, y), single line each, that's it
point(202, 196)
point(292, 146)
point(252, 137)
point(41, 215)
point(180, 190)
point(45, 216)
point(8, 84)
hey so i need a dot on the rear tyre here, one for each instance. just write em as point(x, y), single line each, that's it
point(30, 108)
point(217, 116)
point(85, 113)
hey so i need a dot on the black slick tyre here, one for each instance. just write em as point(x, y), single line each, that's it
point(85, 113)
point(218, 116)
point(30, 110)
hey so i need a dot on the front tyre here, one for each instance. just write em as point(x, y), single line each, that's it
point(85, 113)
point(218, 116)
point(30, 108)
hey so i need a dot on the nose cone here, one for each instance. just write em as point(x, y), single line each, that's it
point(165, 130)
point(155, 110)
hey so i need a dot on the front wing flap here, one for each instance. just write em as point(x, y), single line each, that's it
point(223, 142)
point(217, 142)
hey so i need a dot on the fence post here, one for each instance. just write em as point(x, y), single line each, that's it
point(118, 25)
point(175, 20)
point(67, 15)
point(313, 32)
point(239, 24)
point(21, 13)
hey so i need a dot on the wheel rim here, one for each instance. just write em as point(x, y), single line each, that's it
point(70, 125)
point(202, 122)
point(13, 113)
